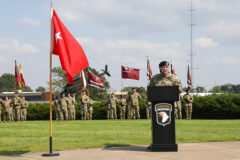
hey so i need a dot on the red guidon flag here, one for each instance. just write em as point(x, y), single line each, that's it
point(149, 71)
point(72, 57)
point(172, 69)
point(189, 80)
point(130, 73)
point(95, 81)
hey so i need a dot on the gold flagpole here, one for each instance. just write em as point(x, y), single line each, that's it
point(50, 96)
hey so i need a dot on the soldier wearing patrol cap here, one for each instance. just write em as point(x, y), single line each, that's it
point(165, 78)
point(188, 103)
point(135, 98)
point(17, 106)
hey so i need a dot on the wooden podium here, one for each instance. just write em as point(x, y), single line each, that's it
point(163, 118)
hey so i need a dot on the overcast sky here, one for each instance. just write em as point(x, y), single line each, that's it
point(124, 32)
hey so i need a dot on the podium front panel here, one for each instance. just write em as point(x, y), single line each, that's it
point(163, 93)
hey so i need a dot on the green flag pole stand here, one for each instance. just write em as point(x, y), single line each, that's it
point(50, 153)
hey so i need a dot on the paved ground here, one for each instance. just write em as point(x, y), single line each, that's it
point(187, 151)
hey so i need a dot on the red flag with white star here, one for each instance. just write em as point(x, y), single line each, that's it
point(130, 73)
point(72, 57)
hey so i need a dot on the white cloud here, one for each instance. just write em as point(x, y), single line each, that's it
point(3, 59)
point(205, 42)
point(129, 17)
point(11, 45)
point(131, 47)
point(230, 60)
point(29, 22)
point(223, 29)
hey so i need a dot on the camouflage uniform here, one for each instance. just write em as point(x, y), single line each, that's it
point(85, 101)
point(149, 110)
point(113, 107)
point(169, 80)
point(123, 103)
point(11, 110)
point(17, 106)
point(58, 109)
point(189, 100)
point(90, 109)
point(64, 110)
point(178, 108)
point(6, 108)
point(129, 108)
point(135, 98)
point(71, 102)
point(24, 105)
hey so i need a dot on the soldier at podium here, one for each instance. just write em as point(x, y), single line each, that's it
point(165, 78)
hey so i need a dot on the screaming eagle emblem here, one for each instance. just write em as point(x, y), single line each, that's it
point(163, 113)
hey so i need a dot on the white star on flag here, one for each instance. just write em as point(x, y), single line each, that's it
point(57, 36)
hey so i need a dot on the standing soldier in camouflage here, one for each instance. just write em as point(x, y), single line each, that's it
point(6, 106)
point(70, 102)
point(129, 107)
point(113, 106)
point(17, 106)
point(90, 109)
point(24, 105)
point(178, 108)
point(11, 111)
point(63, 106)
point(149, 110)
point(188, 103)
point(123, 103)
point(85, 102)
point(165, 78)
point(135, 98)
point(74, 107)
point(57, 108)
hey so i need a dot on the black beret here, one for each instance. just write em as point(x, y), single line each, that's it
point(163, 63)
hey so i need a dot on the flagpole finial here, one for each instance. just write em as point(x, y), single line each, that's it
point(51, 4)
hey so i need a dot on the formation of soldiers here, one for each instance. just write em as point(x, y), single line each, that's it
point(14, 109)
point(128, 107)
point(65, 107)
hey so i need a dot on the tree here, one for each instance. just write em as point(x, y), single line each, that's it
point(226, 88)
point(60, 81)
point(201, 89)
point(216, 89)
point(59, 78)
point(140, 90)
point(40, 89)
point(8, 83)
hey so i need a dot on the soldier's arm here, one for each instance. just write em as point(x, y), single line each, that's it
point(139, 96)
point(151, 84)
point(1, 101)
point(26, 104)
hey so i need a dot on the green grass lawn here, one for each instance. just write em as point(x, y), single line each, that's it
point(33, 136)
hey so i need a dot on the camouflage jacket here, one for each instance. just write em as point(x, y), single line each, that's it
point(24, 104)
point(188, 98)
point(135, 98)
point(113, 102)
point(170, 80)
